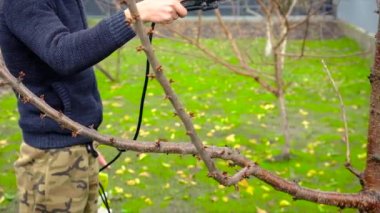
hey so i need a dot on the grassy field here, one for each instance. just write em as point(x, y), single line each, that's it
point(230, 110)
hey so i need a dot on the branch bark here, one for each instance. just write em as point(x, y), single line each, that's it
point(372, 171)
point(170, 94)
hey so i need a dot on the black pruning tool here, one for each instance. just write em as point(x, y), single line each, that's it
point(204, 5)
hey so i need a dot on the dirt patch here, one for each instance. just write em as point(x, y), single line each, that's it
point(319, 29)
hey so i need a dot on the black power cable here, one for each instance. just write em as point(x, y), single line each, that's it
point(102, 193)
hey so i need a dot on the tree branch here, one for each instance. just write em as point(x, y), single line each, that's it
point(105, 72)
point(170, 94)
point(361, 200)
point(346, 139)
point(252, 73)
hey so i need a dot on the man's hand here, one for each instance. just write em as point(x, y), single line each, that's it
point(159, 11)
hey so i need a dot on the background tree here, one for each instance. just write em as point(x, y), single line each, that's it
point(278, 25)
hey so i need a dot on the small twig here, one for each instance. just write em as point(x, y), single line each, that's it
point(306, 31)
point(344, 118)
point(305, 55)
point(105, 72)
point(4, 84)
point(231, 39)
point(247, 71)
point(250, 11)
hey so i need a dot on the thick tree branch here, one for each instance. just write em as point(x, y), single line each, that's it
point(359, 200)
point(170, 94)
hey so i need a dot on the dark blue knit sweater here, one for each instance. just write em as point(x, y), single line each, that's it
point(49, 41)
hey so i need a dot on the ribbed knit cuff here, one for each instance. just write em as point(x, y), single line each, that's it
point(119, 29)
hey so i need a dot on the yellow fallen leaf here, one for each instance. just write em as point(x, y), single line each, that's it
point(249, 190)
point(166, 165)
point(131, 182)
point(144, 174)
point(340, 130)
point(284, 203)
point(265, 188)
point(197, 127)
point(237, 146)
point(127, 160)
point(172, 136)
point(116, 104)
point(182, 181)
point(362, 156)
point(260, 210)
point(118, 190)
point(120, 171)
point(168, 198)
point(267, 106)
point(260, 116)
point(225, 199)
point(303, 112)
point(253, 141)
point(305, 124)
point(128, 195)
point(142, 156)
point(3, 142)
point(244, 183)
point(166, 186)
point(148, 201)
point(231, 138)
point(311, 173)
point(214, 198)
point(144, 133)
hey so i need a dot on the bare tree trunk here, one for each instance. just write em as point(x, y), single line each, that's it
point(372, 172)
point(279, 59)
point(269, 42)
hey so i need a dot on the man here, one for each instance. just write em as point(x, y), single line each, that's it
point(48, 41)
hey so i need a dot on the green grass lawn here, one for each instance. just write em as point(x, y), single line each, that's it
point(230, 110)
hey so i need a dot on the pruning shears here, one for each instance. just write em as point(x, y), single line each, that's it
point(203, 5)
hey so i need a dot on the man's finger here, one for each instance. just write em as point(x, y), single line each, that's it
point(101, 159)
point(180, 9)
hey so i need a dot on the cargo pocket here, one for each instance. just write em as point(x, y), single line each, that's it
point(63, 94)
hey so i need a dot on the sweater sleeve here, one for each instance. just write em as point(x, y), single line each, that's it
point(37, 25)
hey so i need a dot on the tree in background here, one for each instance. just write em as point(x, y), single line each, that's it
point(277, 16)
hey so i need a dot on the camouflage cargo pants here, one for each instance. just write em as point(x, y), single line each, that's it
point(57, 180)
